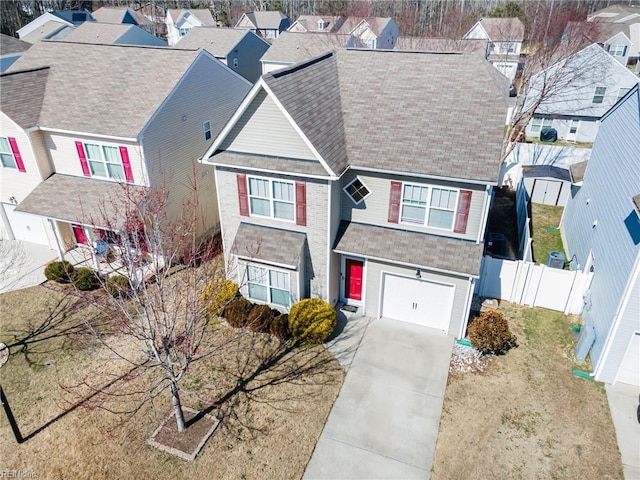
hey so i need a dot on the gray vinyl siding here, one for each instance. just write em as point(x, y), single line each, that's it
point(611, 179)
point(264, 130)
point(248, 52)
point(374, 210)
point(317, 195)
point(374, 271)
point(174, 140)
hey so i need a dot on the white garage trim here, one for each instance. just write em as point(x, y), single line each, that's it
point(443, 321)
point(24, 226)
point(629, 371)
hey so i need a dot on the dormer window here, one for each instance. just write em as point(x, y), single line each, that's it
point(321, 24)
point(357, 191)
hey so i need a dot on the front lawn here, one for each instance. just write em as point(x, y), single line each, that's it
point(524, 415)
point(545, 220)
point(272, 403)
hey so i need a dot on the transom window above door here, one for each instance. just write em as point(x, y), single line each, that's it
point(428, 206)
point(104, 161)
point(271, 198)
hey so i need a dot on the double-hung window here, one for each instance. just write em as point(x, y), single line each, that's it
point(598, 96)
point(206, 127)
point(618, 50)
point(6, 154)
point(269, 286)
point(622, 92)
point(272, 198)
point(428, 206)
point(104, 161)
point(538, 123)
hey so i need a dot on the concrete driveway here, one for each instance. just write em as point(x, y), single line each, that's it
point(623, 403)
point(22, 264)
point(385, 421)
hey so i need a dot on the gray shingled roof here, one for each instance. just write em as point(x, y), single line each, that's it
point(377, 24)
point(412, 248)
point(502, 29)
point(217, 41)
point(9, 45)
point(117, 14)
point(271, 245)
point(274, 164)
point(294, 47)
point(22, 94)
point(423, 44)
point(269, 19)
point(577, 171)
point(84, 96)
point(79, 200)
point(203, 14)
point(311, 95)
point(98, 33)
point(636, 202)
point(310, 22)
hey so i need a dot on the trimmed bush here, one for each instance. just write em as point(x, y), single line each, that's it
point(59, 271)
point(311, 321)
point(280, 327)
point(84, 279)
point(237, 311)
point(118, 286)
point(217, 295)
point(489, 332)
point(260, 318)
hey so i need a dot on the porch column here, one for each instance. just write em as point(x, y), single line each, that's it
point(55, 235)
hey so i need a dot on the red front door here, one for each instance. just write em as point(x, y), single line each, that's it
point(353, 279)
point(78, 232)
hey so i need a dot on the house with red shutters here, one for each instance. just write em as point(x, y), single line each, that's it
point(83, 124)
point(335, 184)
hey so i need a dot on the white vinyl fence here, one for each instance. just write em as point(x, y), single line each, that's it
point(536, 285)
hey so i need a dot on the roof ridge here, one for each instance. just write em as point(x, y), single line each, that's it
point(26, 70)
point(300, 66)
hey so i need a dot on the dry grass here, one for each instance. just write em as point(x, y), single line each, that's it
point(273, 404)
point(526, 416)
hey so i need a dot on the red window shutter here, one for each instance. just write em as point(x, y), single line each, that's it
point(394, 202)
point(16, 154)
point(83, 159)
point(301, 203)
point(462, 215)
point(126, 164)
point(243, 198)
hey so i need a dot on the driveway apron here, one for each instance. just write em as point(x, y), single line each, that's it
point(385, 421)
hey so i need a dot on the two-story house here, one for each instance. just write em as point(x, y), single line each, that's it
point(601, 233)
point(505, 37)
point(385, 211)
point(111, 33)
point(373, 32)
point(71, 148)
point(240, 50)
point(317, 23)
point(180, 21)
point(122, 16)
point(267, 23)
point(50, 24)
point(11, 49)
point(572, 95)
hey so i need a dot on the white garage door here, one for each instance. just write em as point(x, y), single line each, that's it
point(417, 301)
point(24, 226)
point(629, 371)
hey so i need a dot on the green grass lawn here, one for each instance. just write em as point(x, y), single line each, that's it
point(545, 219)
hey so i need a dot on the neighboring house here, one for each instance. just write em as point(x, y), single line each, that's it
point(240, 50)
point(601, 233)
point(426, 44)
point(580, 90)
point(49, 24)
point(112, 34)
point(122, 15)
point(11, 49)
point(505, 37)
point(315, 23)
point(615, 14)
point(156, 16)
point(332, 187)
point(291, 47)
point(70, 146)
point(374, 32)
point(179, 22)
point(266, 24)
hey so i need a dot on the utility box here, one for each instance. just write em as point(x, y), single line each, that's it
point(555, 260)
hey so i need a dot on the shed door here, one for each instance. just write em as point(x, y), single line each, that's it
point(546, 192)
point(417, 301)
point(24, 226)
point(629, 371)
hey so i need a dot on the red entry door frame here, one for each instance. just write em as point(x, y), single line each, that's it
point(78, 232)
point(354, 270)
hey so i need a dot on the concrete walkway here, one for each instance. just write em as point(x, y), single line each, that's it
point(22, 264)
point(623, 403)
point(385, 421)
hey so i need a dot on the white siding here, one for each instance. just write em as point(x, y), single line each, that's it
point(174, 139)
point(611, 179)
point(374, 209)
point(264, 130)
point(272, 66)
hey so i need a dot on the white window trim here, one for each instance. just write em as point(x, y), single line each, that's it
point(428, 206)
point(10, 152)
point(104, 161)
point(351, 183)
point(622, 92)
point(267, 285)
point(617, 50)
point(271, 199)
point(205, 130)
point(235, 62)
point(538, 128)
point(576, 122)
point(595, 94)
